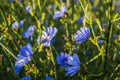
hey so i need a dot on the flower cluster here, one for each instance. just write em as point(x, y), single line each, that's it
point(16, 25)
point(70, 63)
point(24, 57)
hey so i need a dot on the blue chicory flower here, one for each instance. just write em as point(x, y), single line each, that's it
point(58, 15)
point(26, 51)
point(11, 1)
point(80, 20)
point(76, 1)
point(29, 32)
point(91, 1)
point(52, 6)
point(45, 22)
point(28, 9)
point(100, 41)
point(21, 1)
point(20, 63)
point(82, 35)
point(48, 35)
point(15, 25)
point(95, 8)
point(73, 65)
point(61, 13)
point(63, 9)
point(119, 52)
point(49, 78)
point(21, 24)
point(24, 56)
point(101, 35)
point(115, 36)
point(62, 59)
point(26, 78)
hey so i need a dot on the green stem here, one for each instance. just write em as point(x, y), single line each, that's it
point(94, 58)
point(108, 34)
point(8, 51)
point(67, 32)
point(95, 75)
point(82, 6)
point(115, 70)
point(3, 15)
point(92, 30)
point(53, 60)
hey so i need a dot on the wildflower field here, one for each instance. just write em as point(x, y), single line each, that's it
point(59, 39)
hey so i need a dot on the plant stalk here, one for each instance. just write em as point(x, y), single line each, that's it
point(108, 34)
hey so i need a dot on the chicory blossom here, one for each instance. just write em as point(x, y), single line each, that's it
point(21, 24)
point(28, 9)
point(82, 35)
point(119, 52)
point(62, 59)
point(101, 35)
point(52, 7)
point(63, 9)
point(26, 51)
point(100, 41)
point(95, 8)
point(29, 32)
point(91, 1)
point(26, 78)
point(76, 1)
point(19, 64)
point(58, 15)
point(48, 35)
point(15, 25)
point(11, 1)
point(80, 20)
point(21, 1)
point(61, 13)
point(115, 36)
point(24, 57)
point(73, 65)
point(70, 63)
point(49, 78)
